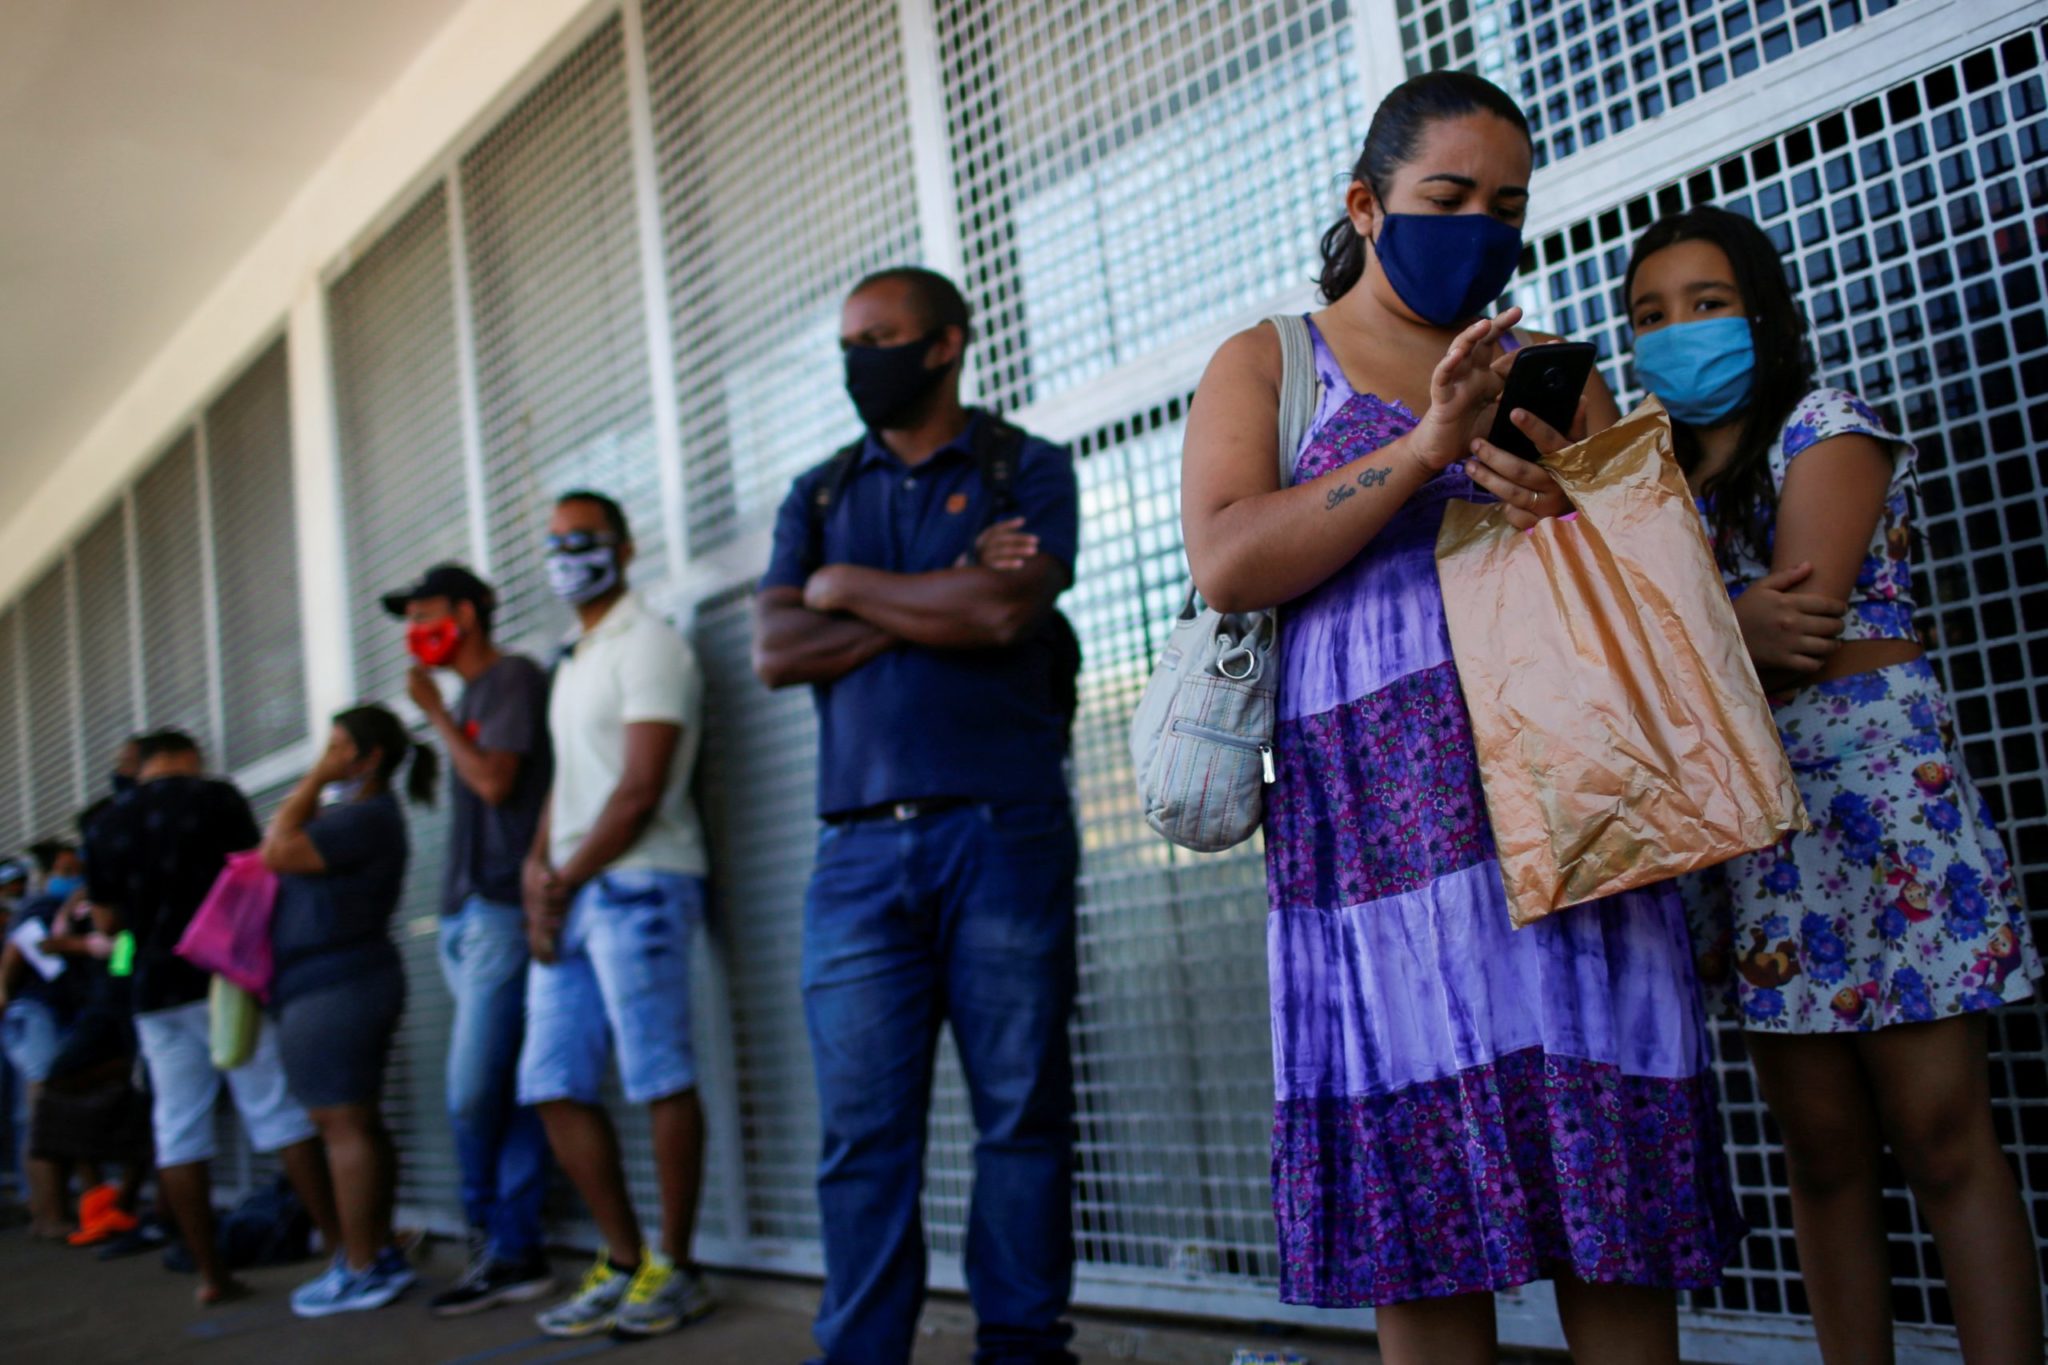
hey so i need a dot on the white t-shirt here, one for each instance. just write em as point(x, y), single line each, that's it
point(632, 667)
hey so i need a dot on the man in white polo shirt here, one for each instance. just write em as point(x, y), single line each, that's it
point(614, 889)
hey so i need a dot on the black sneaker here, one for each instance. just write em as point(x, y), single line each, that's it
point(489, 1282)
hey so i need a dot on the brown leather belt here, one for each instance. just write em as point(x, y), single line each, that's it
point(897, 811)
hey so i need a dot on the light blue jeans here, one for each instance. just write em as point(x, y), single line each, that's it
point(498, 1141)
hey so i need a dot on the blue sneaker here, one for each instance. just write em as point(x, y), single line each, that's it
point(341, 1290)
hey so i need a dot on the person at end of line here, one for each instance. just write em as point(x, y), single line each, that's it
point(1862, 957)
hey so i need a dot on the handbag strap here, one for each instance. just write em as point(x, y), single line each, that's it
point(1300, 389)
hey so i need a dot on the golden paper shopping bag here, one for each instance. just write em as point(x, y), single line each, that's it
point(1622, 735)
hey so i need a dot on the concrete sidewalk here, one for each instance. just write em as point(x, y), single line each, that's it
point(65, 1307)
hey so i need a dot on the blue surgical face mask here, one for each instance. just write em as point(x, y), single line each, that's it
point(1702, 372)
point(61, 887)
point(1448, 267)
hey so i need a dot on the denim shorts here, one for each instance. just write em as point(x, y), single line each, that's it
point(621, 974)
point(175, 1044)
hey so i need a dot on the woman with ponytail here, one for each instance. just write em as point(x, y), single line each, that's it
point(1462, 1107)
point(339, 985)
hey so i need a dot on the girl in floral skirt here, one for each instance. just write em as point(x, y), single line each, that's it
point(1860, 957)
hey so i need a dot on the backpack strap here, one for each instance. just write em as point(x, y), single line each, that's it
point(1300, 389)
point(837, 473)
point(997, 447)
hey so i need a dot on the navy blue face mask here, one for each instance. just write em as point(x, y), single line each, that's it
point(1448, 267)
point(886, 383)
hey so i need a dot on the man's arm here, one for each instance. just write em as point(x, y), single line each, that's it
point(794, 645)
point(490, 773)
point(967, 607)
point(650, 749)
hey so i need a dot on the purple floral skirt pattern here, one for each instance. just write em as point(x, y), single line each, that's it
point(1460, 1105)
point(1524, 1169)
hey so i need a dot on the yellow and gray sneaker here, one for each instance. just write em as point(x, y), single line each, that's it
point(594, 1307)
point(661, 1299)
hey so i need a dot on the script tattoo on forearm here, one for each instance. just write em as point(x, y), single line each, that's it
point(1370, 478)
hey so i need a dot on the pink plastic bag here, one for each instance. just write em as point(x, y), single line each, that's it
point(230, 933)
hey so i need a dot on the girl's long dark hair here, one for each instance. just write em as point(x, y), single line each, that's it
point(1744, 497)
point(373, 727)
point(1391, 143)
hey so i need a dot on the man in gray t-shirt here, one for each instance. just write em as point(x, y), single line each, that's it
point(496, 736)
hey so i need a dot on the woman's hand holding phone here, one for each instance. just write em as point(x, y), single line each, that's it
point(1527, 490)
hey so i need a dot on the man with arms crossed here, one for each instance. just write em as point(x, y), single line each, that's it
point(912, 586)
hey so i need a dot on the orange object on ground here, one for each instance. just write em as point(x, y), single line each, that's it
point(100, 1218)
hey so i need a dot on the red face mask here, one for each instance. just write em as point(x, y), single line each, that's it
point(433, 642)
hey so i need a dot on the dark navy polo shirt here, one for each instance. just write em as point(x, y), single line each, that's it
point(916, 723)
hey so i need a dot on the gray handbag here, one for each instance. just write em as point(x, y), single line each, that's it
point(1202, 736)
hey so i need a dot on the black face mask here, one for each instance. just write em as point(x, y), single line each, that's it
point(122, 783)
point(887, 382)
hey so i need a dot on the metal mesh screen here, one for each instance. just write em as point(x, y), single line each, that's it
point(106, 643)
point(755, 276)
point(171, 576)
point(1131, 175)
point(1910, 224)
point(404, 502)
point(256, 563)
point(1583, 72)
point(756, 781)
point(403, 487)
point(560, 333)
point(14, 826)
point(54, 794)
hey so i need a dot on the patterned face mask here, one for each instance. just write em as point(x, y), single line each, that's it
point(582, 566)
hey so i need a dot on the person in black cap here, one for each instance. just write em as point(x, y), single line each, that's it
point(496, 737)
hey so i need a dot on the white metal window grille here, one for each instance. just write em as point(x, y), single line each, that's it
point(783, 148)
point(1584, 70)
point(106, 644)
point(14, 824)
point(176, 671)
point(1132, 175)
point(404, 503)
point(757, 785)
point(1172, 1042)
point(256, 563)
point(404, 489)
point(1908, 224)
point(562, 374)
point(54, 793)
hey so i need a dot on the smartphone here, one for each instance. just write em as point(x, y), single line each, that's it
point(1545, 380)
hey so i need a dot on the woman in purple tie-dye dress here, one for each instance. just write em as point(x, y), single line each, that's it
point(1461, 1107)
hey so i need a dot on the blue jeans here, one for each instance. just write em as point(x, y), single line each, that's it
point(500, 1144)
point(965, 917)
